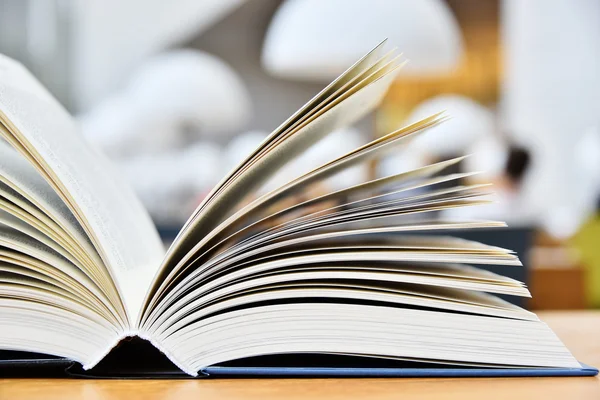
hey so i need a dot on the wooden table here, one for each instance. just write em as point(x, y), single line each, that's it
point(579, 330)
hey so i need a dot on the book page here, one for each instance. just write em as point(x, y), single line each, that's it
point(44, 204)
point(21, 176)
point(367, 330)
point(105, 206)
point(394, 293)
point(27, 281)
point(21, 249)
point(418, 277)
point(66, 330)
point(257, 207)
point(346, 109)
point(412, 268)
point(309, 108)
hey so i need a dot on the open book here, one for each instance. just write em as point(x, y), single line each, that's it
point(345, 273)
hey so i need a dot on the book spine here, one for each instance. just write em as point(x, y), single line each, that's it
point(169, 355)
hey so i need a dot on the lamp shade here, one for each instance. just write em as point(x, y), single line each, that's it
point(172, 99)
point(317, 40)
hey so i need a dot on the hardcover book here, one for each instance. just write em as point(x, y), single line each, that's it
point(342, 275)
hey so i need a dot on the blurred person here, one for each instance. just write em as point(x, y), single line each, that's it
point(508, 203)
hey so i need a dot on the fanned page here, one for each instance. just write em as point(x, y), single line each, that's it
point(107, 215)
point(342, 272)
point(351, 96)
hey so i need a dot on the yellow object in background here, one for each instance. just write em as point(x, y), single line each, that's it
point(587, 243)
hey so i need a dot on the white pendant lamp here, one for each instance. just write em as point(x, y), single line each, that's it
point(315, 40)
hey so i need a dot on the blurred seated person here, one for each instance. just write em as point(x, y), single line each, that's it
point(508, 203)
point(471, 130)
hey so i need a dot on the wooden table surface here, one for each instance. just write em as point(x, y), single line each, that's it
point(579, 330)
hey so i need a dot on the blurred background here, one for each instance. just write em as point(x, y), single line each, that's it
point(177, 93)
